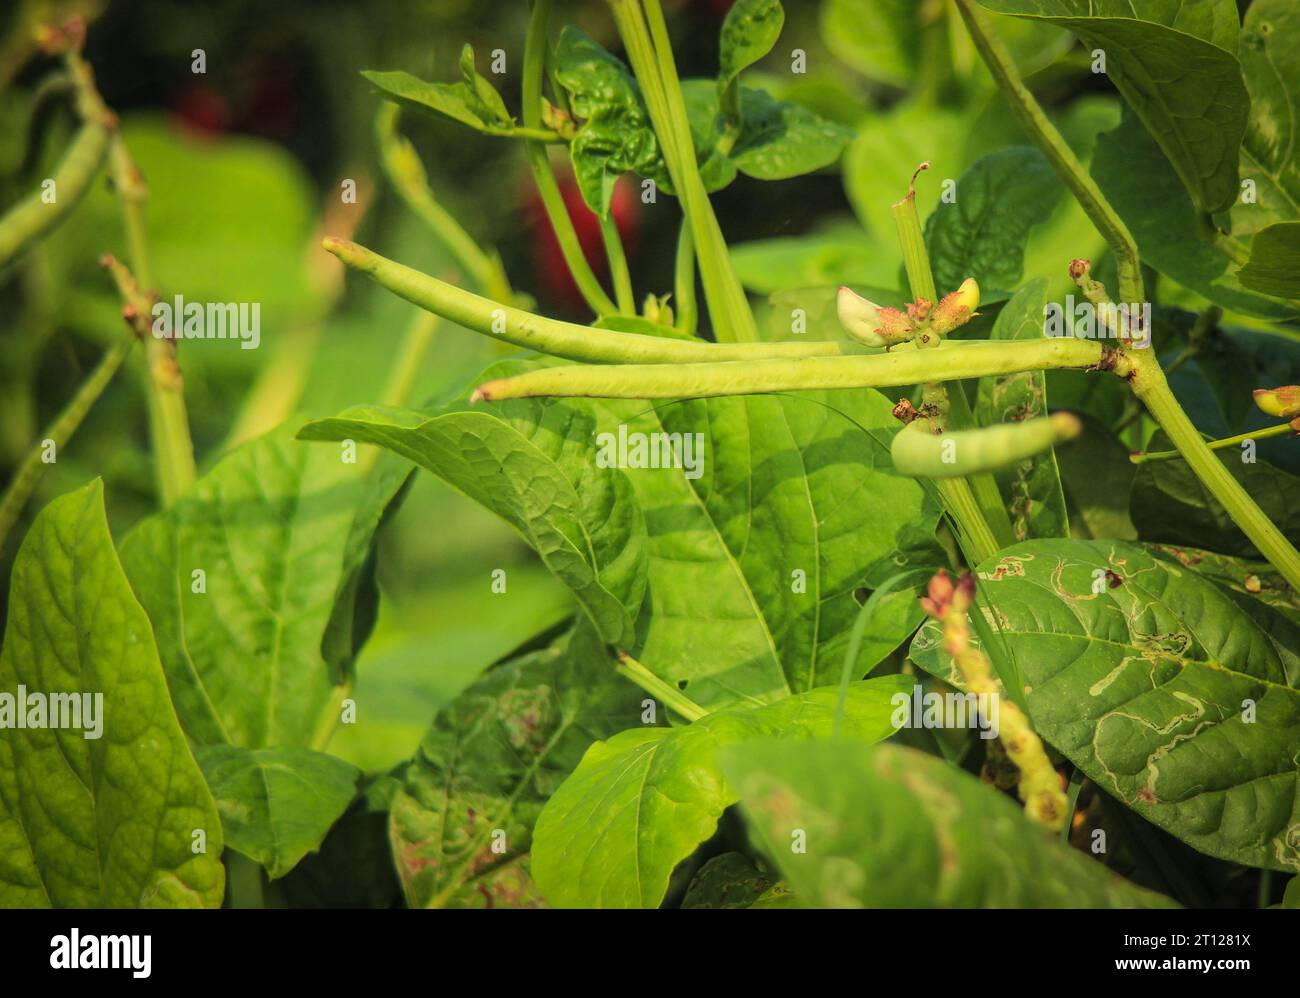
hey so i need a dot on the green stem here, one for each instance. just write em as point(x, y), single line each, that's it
point(31, 220)
point(970, 359)
point(1057, 150)
point(684, 281)
point(543, 135)
point(650, 52)
point(24, 482)
point(920, 277)
point(1150, 386)
point(406, 173)
point(169, 426)
point(617, 265)
point(544, 177)
point(657, 688)
point(1166, 455)
point(552, 336)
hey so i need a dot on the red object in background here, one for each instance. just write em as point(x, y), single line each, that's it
point(201, 109)
point(548, 262)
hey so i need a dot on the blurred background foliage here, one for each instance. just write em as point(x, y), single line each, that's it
point(244, 164)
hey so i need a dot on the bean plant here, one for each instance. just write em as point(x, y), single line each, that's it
point(857, 618)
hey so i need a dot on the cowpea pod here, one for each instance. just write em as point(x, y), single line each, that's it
point(917, 451)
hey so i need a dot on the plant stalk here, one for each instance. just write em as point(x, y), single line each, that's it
point(623, 293)
point(684, 281)
point(1282, 429)
point(671, 697)
point(544, 177)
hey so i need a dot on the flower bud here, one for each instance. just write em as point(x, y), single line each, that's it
point(871, 324)
point(1283, 402)
point(956, 308)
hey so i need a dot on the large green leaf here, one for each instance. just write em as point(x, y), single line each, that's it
point(1178, 71)
point(639, 803)
point(1154, 683)
point(982, 234)
point(114, 813)
point(258, 648)
point(1033, 486)
point(879, 38)
point(538, 472)
point(1136, 178)
point(887, 826)
point(277, 804)
point(1170, 504)
point(462, 823)
point(756, 559)
point(1270, 152)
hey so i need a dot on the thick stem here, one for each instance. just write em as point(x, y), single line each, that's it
point(544, 177)
point(684, 281)
point(1057, 150)
point(59, 432)
point(169, 426)
point(650, 53)
point(974, 535)
point(561, 339)
point(972, 359)
point(1149, 384)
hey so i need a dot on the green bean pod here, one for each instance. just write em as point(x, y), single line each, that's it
point(552, 336)
point(29, 221)
point(920, 453)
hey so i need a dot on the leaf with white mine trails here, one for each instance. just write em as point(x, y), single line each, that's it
point(1151, 680)
point(113, 821)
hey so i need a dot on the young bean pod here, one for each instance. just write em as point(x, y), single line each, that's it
point(920, 453)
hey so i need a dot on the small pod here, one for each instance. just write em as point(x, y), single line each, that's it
point(1283, 401)
point(920, 453)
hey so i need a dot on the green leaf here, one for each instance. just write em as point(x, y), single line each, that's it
point(878, 38)
point(1033, 487)
point(277, 804)
point(616, 135)
point(532, 463)
point(1187, 88)
point(462, 822)
point(103, 815)
point(1274, 264)
point(1138, 181)
point(258, 647)
point(749, 31)
point(758, 558)
point(484, 99)
point(1270, 152)
point(1255, 580)
point(888, 826)
point(731, 880)
point(982, 234)
point(1150, 679)
point(639, 803)
point(1169, 504)
point(457, 101)
point(780, 140)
